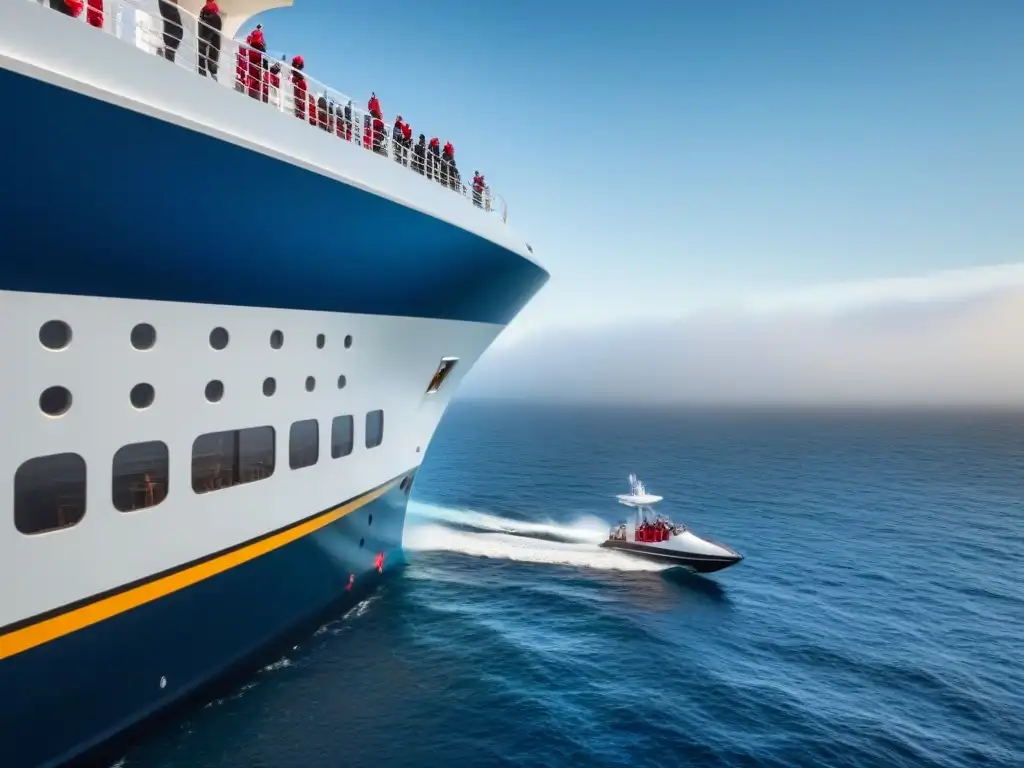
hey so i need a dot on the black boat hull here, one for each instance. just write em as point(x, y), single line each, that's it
point(694, 561)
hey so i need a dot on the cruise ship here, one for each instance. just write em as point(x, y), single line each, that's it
point(229, 336)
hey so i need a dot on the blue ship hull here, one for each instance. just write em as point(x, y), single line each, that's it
point(128, 206)
point(209, 222)
point(75, 693)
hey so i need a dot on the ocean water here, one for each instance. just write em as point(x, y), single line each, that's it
point(877, 620)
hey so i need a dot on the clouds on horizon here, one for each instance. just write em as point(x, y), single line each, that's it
point(948, 339)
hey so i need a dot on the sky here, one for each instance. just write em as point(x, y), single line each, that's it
point(664, 158)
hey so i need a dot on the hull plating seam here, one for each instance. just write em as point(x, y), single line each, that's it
point(37, 630)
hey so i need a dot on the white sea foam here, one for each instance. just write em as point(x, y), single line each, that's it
point(501, 538)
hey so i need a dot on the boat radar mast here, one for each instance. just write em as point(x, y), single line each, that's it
point(638, 495)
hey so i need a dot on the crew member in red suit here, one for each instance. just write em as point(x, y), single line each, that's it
point(299, 87)
point(94, 16)
point(378, 563)
point(478, 189)
point(407, 140)
point(240, 64)
point(257, 62)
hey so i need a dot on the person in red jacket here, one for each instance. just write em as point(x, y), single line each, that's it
point(406, 142)
point(241, 59)
point(257, 62)
point(398, 140)
point(478, 189)
point(434, 159)
point(299, 87)
point(94, 16)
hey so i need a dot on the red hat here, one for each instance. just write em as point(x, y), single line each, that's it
point(298, 63)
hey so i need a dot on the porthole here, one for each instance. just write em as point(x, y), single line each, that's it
point(310, 383)
point(219, 338)
point(361, 542)
point(341, 381)
point(55, 401)
point(276, 340)
point(142, 396)
point(55, 334)
point(320, 341)
point(214, 391)
point(269, 386)
point(348, 341)
point(369, 520)
point(143, 336)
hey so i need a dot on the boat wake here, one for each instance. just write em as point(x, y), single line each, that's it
point(434, 528)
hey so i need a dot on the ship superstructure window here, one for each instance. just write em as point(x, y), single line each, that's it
point(304, 444)
point(55, 401)
point(55, 335)
point(341, 381)
point(269, 386)
point(214, 391)
point(348, 341)
point(342, 436)
point(276, 340)
point(446, 366)
point(219, 338)
point(321, 340)
point(143, 336)
point(310, 383)
point(142, 396)
point(374, 428)
point(236, 456)
point(141, 472)
point(49, 493)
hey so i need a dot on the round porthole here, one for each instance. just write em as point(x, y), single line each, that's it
point(142, 396)
point(55, 334)
point(348, 341)
point(143, 336)
point(55, 401)
point(341, 382)
point(321, 340)
point(219, 338)
point(214, 391)
point(369, 520)
point(361, 542)
point(269, 386)
point(310, 383)
point(276, 340)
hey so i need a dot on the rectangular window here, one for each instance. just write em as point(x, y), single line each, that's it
point(236, 456)
point(140, 474)
point(342, 429)
point(446, 366)
point(304, 444)
point(49, 493)
point(374, 428)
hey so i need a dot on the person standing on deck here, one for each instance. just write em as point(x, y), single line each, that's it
point(257, 63)
point(478, 189)
point(299, 87)
point(208, 36)
point(434, 159)
point(419, 155)
point(406, 143)
point(173, 31)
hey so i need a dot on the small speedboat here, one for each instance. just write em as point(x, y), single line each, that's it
point(658, 538)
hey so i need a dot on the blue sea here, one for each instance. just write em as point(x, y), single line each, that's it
point(877, 620)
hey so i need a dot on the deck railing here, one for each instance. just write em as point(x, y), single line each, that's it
point(343, 119)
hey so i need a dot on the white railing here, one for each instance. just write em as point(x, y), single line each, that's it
point(269, 78)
